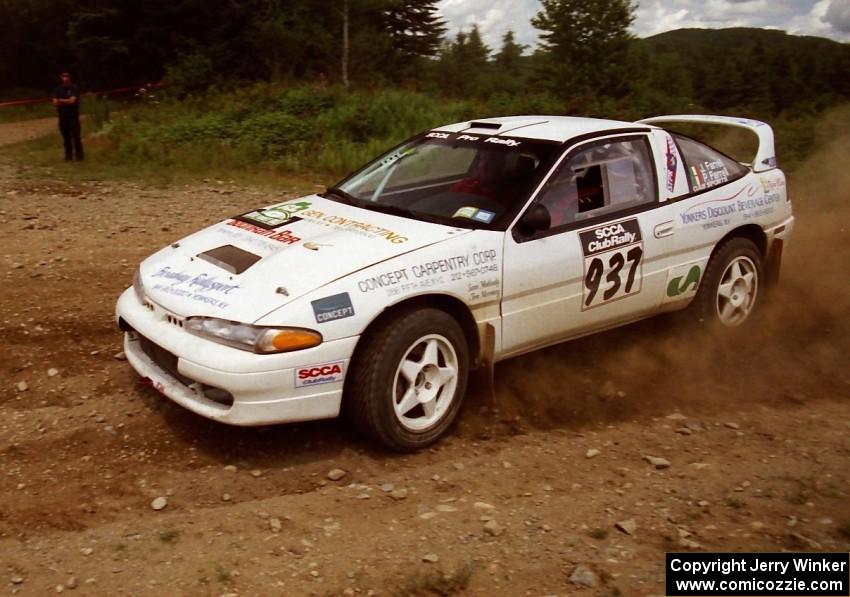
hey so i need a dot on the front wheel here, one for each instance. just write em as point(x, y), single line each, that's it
point(409, 379)
point(731, 288)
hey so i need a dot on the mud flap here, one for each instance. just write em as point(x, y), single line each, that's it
point(483, 378)
point(773, 263)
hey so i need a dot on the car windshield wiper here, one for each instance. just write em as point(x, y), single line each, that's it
point(342, 196)
point(339, 195)
point(403, 212)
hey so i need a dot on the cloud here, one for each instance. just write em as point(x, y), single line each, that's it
point(812, 22)
point(838, 15)
point(494, 18)
point(828, 18)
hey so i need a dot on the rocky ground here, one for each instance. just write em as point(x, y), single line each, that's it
point(595, 458)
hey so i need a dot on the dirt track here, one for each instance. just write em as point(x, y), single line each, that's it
point(755, 427)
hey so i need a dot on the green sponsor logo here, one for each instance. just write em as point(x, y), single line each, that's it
point(277, 215)
point(682, 284)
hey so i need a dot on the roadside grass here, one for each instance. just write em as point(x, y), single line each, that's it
point(299, 136)
point(28, 112)
point(95, 108)
point(42, 160)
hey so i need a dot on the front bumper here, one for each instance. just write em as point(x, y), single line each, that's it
point(247, 389)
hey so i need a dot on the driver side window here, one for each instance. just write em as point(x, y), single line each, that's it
point(601, 177)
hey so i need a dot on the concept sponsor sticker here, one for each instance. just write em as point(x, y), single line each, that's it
point(333, 307)
point(322, 373)
point(276, 215)
point(613, 262)
point(441, 272)
point(384, 280)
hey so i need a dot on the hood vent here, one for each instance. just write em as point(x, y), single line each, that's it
point(230, 259)
point(493, 126)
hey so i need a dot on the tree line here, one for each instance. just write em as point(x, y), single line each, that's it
point(587, 57)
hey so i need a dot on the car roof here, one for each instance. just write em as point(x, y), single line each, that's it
point(545, 128)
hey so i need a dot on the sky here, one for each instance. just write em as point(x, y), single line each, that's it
point(826, 18)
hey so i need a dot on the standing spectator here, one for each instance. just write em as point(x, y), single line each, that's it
point(66, 98)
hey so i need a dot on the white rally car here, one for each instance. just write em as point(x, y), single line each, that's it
point(466, 245)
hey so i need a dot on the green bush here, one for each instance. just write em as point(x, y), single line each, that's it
point(331, 131)
point(294, 129)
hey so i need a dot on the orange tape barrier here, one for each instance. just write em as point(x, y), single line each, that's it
point(38, 100)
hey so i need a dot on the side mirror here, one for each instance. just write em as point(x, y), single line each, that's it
point(534, 220)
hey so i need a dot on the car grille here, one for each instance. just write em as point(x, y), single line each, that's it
point(166, 360)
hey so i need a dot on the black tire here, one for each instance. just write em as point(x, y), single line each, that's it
point(708, 305)
point(375, 381)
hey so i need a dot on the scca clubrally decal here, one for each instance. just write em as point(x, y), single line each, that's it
point(613, 259)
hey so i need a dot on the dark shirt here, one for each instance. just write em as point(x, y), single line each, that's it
point(69, 111)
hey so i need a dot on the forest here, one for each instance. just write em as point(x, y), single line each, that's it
point(285, 80)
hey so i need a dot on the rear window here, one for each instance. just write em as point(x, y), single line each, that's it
point(706, 167)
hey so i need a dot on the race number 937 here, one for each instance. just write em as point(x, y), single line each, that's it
point(613, 259)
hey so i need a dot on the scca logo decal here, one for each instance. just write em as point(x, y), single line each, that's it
point(317, 371)
point(313, 375)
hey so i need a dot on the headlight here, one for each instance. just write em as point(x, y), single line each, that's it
point(259, 339)
point(138, 288)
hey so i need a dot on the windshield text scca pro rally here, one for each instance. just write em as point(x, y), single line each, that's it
point(467, 138)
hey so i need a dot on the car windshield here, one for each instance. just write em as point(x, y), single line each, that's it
point(459, 179)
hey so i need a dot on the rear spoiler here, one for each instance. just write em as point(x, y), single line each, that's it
point(765, 155)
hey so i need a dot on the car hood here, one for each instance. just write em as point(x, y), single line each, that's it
point(247, 266)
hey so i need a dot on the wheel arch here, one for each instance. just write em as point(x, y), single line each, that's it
point(450, 304)
point(752, 232)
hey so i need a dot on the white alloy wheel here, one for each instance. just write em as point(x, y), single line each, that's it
point(737, 291)
point(425, 382)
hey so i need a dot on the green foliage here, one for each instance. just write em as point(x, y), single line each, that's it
point(117, 43)
point(750, 70)
point(296, 129)
point(586, 43)
point(98, 110)
point(192, 73)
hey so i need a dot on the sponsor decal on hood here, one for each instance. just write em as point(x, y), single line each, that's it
point(183, 279)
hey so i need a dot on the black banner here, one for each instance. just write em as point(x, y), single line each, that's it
point(758, 574)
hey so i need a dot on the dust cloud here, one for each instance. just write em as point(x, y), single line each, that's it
point(796, 350)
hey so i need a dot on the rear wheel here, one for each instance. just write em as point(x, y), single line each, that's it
point(731, 288)
point(409, 379)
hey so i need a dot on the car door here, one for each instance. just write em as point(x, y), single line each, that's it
point(602, 260)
